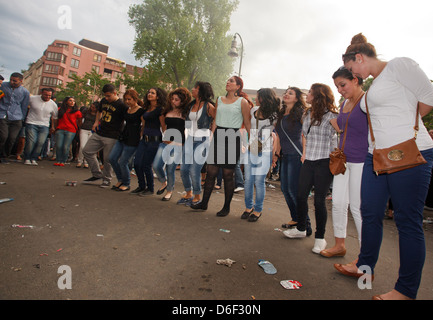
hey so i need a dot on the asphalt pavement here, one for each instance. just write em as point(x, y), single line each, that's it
point(83, 242)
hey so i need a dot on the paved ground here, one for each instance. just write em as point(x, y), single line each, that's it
point(125, 247)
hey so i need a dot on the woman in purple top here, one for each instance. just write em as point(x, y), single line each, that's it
point(346, 189)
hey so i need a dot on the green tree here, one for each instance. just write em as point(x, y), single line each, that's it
point(84, 89)
point(141, 82)
point(184, 41)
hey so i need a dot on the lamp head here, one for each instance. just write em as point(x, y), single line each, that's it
point(234, 49)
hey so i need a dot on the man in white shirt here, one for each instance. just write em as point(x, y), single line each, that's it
point(42, 110)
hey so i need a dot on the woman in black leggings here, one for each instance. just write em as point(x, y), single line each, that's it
point(232, 112)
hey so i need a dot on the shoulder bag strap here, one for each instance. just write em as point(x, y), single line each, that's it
point(294, 145)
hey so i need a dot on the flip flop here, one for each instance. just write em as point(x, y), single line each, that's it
point(267, 267)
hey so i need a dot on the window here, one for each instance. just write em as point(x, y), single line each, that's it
point(50, 68)
point(51, 82)
point(62, 45)
point(55, 56)
point(96, 68)
point(116, 74)
point(71, 73)
point(75, 63)
point(97, 58)
point(76, 52)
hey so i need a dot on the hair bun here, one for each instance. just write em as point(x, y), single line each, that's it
point(358, 39)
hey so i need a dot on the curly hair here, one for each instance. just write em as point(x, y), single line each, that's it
point(185, 98)
point(323, 102)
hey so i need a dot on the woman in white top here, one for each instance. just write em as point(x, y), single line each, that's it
point(260, 153)
point(198, 125)
point(392, 103)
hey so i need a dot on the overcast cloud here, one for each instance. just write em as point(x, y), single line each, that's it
point(296, 42)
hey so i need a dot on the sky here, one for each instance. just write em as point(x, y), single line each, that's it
point(286, 42)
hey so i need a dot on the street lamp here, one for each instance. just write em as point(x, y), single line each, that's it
point(234, 50)
point(94, 87)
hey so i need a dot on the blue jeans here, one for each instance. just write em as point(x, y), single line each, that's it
point(194, 157)
point(168, 156)
point(239, 178)
point(407, 190)
point(35, 138)
point(63, 143)
point(255, 170)
point(144, 157)
point(289, 179)
point(120, 156)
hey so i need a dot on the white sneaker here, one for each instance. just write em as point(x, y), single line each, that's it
point(34, 163)
point(238, 189)
point(294, 233)
point(319, 245)
point(27, 162)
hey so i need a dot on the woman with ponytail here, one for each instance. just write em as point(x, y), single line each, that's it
point(232, 112)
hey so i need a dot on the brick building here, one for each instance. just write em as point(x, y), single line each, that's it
point(62, 59)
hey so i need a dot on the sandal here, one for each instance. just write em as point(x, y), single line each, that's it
point(254, 218)
point(246, 214)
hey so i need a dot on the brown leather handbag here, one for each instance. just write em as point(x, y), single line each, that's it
point(337, 158)
point(402, 156)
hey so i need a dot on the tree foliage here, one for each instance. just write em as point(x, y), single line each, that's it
point(139, 81)
point(184, 41)
point(84, 89)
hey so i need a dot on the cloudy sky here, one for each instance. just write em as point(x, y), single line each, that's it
point(286, 42)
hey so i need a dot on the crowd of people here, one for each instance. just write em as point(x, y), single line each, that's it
point(210, 138)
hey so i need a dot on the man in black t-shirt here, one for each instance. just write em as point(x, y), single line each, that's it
point(107, 128)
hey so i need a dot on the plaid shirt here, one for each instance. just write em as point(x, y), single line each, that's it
point(321, 140)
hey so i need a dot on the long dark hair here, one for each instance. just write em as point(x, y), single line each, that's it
point(205, 91)
point(346, 74)
point(185, 98)
point(295, 114)
point(269, 103)
point(161, 101)
point(64, 108)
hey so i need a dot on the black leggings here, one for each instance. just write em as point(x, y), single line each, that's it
point(314, 174)
point(229, 184)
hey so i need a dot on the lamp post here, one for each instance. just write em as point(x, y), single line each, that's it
point(234, 50)
point(94, 87)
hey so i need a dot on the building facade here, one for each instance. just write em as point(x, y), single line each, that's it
point(62, 59)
